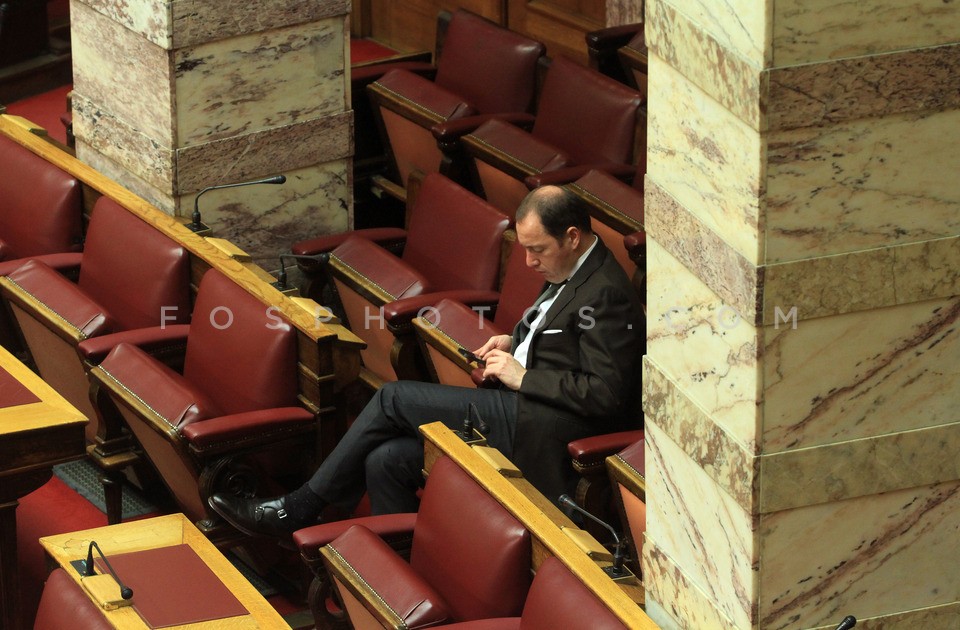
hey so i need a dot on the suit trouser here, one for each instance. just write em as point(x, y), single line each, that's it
point(382, 451)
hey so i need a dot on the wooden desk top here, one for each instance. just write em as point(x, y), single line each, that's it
point(541, 517)
point(36, 423)
point(164, 531)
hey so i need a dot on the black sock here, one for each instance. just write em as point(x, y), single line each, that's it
point(303, 505)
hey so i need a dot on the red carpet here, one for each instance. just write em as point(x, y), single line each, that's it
point(362, 50)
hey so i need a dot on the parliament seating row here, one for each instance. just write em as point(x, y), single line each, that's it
point(256, 367)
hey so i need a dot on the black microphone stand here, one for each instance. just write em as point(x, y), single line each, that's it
point(281, 283)
point(616, 570)
point(196, 225)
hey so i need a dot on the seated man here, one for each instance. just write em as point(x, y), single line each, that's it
point(565, 373)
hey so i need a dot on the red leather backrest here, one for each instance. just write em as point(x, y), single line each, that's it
point(242, 355)
point(454, 237)
point(468, 547)
point(39, 204)
point(521, 286)
point(133, 270)
point(64, 604)
point(591, 117)
point(492, 67)
point(558, 599)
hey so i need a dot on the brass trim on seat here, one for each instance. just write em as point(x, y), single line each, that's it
point(30, 304)
point(344, 574)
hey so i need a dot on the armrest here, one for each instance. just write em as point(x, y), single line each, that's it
point(613, 37)
point(388, 238)
point(591, 451)
point(489, 382)
point(452, 130)
point(67, 263)
point(395, 529)
point(570, 174)
point(636, 245)
point(400, 313)
point(244, 430)
point(159, 341)
point(368, 73)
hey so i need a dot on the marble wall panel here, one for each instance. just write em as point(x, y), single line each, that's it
point(863, 374)
point(872, 556)
point(624, 12)
point(706, 159)
point(700, 529)
point(149, 19)
point(806, 31)
point(670, 597)
point(264, 220)
point(730, 76)
point(259, 81)
point(89, 155)
point(127, 76)
point(741, 26)
point(703, 346)
point(264, 153)
point(861, 184)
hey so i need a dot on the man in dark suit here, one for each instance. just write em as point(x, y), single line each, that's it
point(568, 371)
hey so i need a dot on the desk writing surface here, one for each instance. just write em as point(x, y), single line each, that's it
point(27, 403)
point(164, 531)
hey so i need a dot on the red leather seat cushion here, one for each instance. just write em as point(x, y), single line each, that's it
point(458, 527)
point(558, 599)
point(169, 394)
point(393, 580)
point(376, 264)
point(64, 604)
point(536, 153)
point(64, 298)
point(634, 456)
point(39, 204)
point(593, 450)
point(390, 527)
point(426, 94)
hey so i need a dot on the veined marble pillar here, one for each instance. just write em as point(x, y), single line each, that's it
point(802, 383)
point(173, 96)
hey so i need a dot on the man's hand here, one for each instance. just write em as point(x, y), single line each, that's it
point(497, 342)
point(502, 366)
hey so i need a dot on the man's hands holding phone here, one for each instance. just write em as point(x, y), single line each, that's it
point(497, 362)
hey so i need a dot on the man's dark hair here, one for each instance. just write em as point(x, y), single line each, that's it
point(558, 209)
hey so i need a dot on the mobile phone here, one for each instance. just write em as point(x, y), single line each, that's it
point(471, 357)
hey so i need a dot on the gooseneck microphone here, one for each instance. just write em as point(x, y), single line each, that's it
point(466, 434)
point(281, 282)
point(125, 591)
point(848, 622)
point(196, 225)
point(616, 570)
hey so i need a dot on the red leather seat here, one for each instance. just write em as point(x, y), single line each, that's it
point(469, 559)
point(131, 276)
point(40, 206)
point(451, 249)
point(626, 470)
point(64, 604)
point(236, 397)
point(483, 70)
point(571, 135)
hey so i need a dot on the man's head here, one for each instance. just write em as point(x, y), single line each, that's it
point(553, 226)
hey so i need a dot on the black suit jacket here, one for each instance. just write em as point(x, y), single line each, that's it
point(583, 370)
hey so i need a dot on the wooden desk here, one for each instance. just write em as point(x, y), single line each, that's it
point(38, 429)
point(543, 519)
point(164, 531)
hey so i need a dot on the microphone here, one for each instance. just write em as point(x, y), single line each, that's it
point(196, 225)
point(125, 591)
point(466, 434)
point(281, 282)
point(616, 570)
point(848, 622)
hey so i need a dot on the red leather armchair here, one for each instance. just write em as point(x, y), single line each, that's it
point(451, 249)
point(484, 70)
point(469, 559)
point(130, 277)
point(626, 470)
point(214, 427)
point(64, 604)
point(584, 120)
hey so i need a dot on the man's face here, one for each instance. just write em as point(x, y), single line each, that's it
point(548, 256)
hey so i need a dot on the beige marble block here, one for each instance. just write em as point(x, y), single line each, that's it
point(863, 374)
point(91, 156)
point(806, 31)
point(672, 602)
point(741, 26)
point(704, 346)
point(700, 528)
point(624, 12)
point(886, 553)
point(259, 81)
point(862, 184)
point(706, 159)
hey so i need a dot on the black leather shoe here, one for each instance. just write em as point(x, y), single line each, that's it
point(256, 517)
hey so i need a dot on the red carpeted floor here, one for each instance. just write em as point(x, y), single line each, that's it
point(45, 110)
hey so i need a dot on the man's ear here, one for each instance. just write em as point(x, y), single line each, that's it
point(574, 234)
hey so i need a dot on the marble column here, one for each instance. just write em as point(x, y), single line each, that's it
point(171, 96)
point(803, 372)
